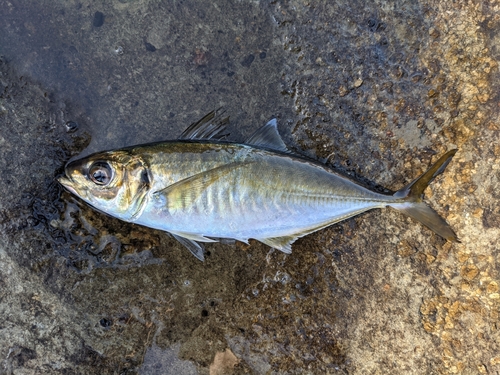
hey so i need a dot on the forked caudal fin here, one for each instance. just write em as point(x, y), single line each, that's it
point(413, 206)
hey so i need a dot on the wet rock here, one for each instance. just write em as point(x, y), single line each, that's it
point(247, 61)
point(98, 20)
point(377, 94)
point(149, 47)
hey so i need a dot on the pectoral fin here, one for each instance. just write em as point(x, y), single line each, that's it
point(182, 194)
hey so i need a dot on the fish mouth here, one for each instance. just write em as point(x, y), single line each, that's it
point(68, 184)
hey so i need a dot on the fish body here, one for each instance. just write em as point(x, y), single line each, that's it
point(241, 192)
point(202, 190)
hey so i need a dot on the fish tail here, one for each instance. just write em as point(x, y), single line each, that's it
point(410, 200)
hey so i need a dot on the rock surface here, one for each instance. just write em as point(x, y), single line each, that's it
point(376, 90)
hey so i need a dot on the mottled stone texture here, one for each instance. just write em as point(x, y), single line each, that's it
point(374, 89)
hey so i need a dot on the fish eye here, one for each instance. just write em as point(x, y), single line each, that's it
point(100, 173)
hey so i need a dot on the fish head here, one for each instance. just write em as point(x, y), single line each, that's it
point(114, 182)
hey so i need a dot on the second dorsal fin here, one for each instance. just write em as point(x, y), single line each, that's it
point(268, 136)
point(211, 126)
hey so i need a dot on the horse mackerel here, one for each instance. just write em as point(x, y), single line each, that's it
point(200, 188)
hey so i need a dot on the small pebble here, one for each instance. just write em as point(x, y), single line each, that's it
point(98, 19)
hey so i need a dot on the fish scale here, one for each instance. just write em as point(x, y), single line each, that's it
point(201, 190)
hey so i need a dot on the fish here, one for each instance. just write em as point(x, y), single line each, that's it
point(202, 188)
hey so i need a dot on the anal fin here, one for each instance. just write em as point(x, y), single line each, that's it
point(283, 244)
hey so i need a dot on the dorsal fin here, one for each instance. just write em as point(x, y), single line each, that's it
point(268, 136)
point(211, 126)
